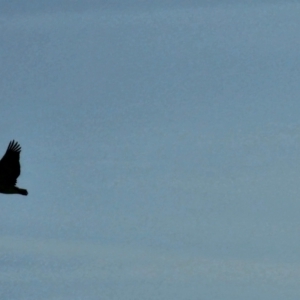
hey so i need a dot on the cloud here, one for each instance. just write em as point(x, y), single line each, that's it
point(90, 261)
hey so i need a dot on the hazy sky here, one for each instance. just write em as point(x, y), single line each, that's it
point(160, 148)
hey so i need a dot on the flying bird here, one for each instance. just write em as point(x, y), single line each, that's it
point(10, 170)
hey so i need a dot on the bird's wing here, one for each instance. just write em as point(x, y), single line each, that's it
point(10, 168)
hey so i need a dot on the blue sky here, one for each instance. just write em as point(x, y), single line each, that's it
point(160, 148)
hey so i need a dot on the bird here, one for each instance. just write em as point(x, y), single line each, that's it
point(10, 169)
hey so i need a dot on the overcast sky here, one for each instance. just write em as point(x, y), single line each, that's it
point(160, 148)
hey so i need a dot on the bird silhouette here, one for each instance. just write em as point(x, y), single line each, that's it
point(10, 169)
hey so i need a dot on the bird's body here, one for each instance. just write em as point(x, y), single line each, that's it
point(10, 170)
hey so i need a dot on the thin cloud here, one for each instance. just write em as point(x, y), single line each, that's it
point(93, 261)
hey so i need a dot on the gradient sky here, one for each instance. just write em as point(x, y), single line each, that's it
point(160, 148)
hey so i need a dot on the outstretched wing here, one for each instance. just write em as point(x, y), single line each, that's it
point(10, 164)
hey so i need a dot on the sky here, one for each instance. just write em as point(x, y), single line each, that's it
point(160, 149)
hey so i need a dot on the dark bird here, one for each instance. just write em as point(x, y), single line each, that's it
point(10, 170)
